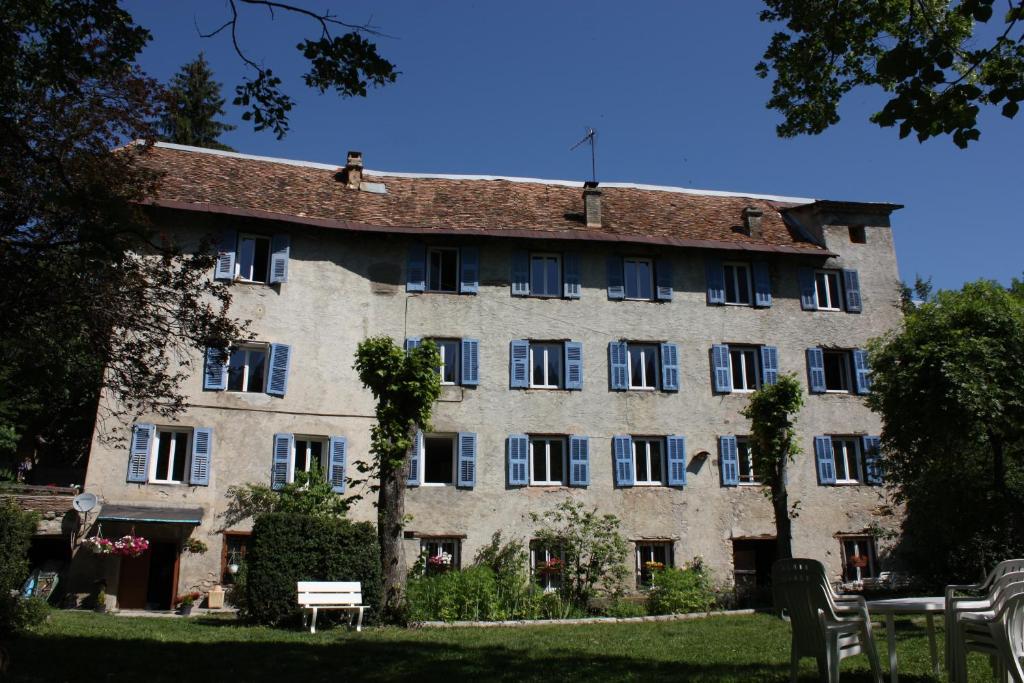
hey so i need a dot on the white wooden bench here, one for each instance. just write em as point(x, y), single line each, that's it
point(318, 595)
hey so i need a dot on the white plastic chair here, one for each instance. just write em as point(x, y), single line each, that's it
point(980, 599)
point(823, 628)
point(999, 633)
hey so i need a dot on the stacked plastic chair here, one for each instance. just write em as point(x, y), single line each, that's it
point(980, 599)
point(825, 628)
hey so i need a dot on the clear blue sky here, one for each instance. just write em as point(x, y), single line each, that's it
point(506, 88)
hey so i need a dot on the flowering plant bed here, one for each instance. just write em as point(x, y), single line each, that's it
point(440, 563)
point(553, 566)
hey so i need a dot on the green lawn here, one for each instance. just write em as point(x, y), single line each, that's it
point(81, 646)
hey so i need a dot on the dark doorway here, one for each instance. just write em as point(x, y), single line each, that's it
point(160, 587)
point(752, 560)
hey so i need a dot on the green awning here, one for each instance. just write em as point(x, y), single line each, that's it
point(152, 514)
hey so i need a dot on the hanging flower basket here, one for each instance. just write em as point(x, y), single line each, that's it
point(126, 546)
point(99, 545)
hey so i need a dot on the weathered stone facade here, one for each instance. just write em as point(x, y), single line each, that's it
point(344, 286)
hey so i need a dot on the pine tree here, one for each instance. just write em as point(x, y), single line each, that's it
point(192, 107)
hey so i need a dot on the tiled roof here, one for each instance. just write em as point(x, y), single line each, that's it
point(312, 194)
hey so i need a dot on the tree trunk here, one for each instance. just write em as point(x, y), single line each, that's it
point(783, 524)
point(390, 517)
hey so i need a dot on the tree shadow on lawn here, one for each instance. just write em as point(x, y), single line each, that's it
point(75, 658)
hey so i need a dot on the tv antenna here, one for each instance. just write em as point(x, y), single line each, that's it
point(590, 137)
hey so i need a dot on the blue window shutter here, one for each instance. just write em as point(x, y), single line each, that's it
point(573, 365)
point(571, 276)
point(663, 279)
point(520, 273)
point(676, 449)
point(225, 267)
point(851, 283)
point(280, 248)
point(862, 371)
point(215, 372)
point(469, 268)
point(467, 459)
point(202, 456)
point(415, 455)
point(338, 455)
point(669, 367)
point(138, 452)
point(729, 460)
point(618, 365)
point(871, 447)
point(416, 269)
point(769, 365)
point(715, 280)
point(412, 342)
point(622, 448)
point(816, 370)
point(283, 444)
point(825, 458)
point(616, 289)
point(762, 285)
point(579, 461)
point(720, 364)
point(518, 460)
point(519, 364)
point(808, 293)
point(470, 362)
point(280, 358)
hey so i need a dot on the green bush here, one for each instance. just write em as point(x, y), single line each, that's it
point(288, 547)
point(622, 609)
point(677, 591)
point(16, 529)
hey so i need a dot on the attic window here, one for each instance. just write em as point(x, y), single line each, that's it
point(858, 235)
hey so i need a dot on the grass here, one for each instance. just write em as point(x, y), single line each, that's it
point(75, 646)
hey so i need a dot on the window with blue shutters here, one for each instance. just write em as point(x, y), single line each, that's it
point(816, 370)
point(252, 260)
point(640, 278)
point(169, 456)
point(729, 467)
point(715, 276)
point(547, 461)
point(872, 449)
point(825, 460)
point(253, 368)
point(215, 370)
point(416, 269)
point(447, 459)
point(618, 365)
point(337, 460)
point(470, 362)
point(467, 459)
point(414, 474)
point(443, 269)
point(676, 449)
point(829, 290)
point(663, 275)
point(519, 364)
point(669, 367)
point(281, 457)
point(224, 269)
point(521, 273)
point(469, 270)
point(762, 285)
point(545, 364)
point(579, 461)
point(861, 371)
point(648, 461)
point(277, 379)
point(848, 460)
point(769, 365)
point(202, 455)
point(280, 248)
point(736, 283)
point(851, 283)
point(546, 274)
point(616, 289)
point(720, 368)
point(138, 452)
point(517, 451)
point(573, 278)
point(309, 454)
point(808, 291)
point(573, 365)
point(838, 371)
point(622, 453)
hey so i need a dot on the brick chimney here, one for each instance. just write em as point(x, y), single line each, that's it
point(752, 221)
point(354, 170)
point(592, 204)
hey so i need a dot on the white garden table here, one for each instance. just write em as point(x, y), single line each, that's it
point(929, 607)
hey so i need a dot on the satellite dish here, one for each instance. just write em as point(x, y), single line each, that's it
point(84, 502)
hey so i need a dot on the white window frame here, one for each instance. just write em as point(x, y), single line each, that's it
point(430, 269)
point(538, 554)
point(861, 542)
point(294, 456)
point(747, 283)
point(645, 443)
point(238, 261)
point(650, 284)
point(643, 350)
point(833, 295)
point(456, 369)
point(433, 546)
point(843, 448)
point(247, 349)
point(847, 363)
point(423, 459)
point(747, 354)
point(644, 552)
point(746, 462)
point(547, 347)
point(547, 441)
point(548, 286)
point(175, 434)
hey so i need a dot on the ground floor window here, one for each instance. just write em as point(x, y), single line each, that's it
point(547, 565)
point(650, 557)
point(859, 561)
point(441, 554)
point(236, 544)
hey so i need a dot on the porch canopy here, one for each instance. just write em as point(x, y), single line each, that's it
point(150, 514)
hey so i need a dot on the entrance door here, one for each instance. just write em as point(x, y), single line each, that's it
point(161, 584)
point(131, 586)
point(752, 565)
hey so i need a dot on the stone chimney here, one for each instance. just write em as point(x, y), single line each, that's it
point(592, 204)
point(354, 170)
point(752, 221)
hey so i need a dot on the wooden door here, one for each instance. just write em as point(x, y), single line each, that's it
point(133, 583)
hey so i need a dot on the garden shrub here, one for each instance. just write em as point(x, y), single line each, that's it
point(288, 547)
point(16, 529)
point(677, 591)
point(623, 608)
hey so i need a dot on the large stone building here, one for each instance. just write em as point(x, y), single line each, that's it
point(599, 343)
